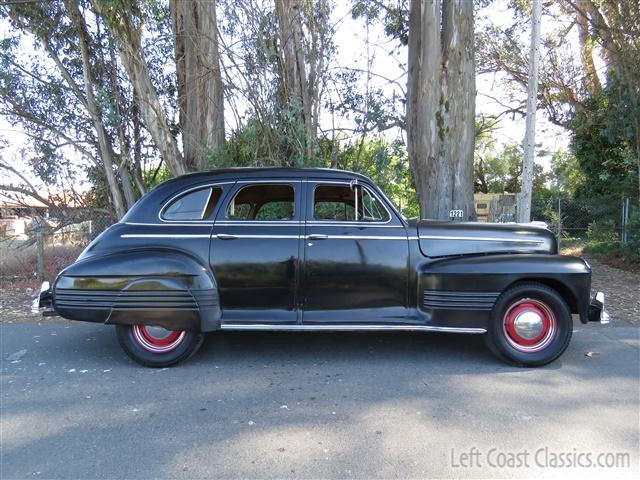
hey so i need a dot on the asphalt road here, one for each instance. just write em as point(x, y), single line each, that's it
point(311, 405)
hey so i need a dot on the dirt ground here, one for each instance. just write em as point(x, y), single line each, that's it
point(622, 290)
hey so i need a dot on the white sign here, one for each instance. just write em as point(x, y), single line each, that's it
point(456, 214)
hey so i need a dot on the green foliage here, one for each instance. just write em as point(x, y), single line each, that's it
point(605, 142)
point(602, 232)
point(498, 171)
point(603, 239)
point(278, 140)
point(394, 16)
point(386, 163)
point(566, 176)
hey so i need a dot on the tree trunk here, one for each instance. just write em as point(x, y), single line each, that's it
point(460, 100)
point(440, 106)
point(104, 143)
point(293, 76)
point(200, 88)
point(526, 187)
point(591, 80)
point(128, 37)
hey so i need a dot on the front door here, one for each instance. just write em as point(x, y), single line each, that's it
point(255, 252)
point(356, 257)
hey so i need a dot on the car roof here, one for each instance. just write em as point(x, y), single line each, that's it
point(146, 210)
point(266, 172)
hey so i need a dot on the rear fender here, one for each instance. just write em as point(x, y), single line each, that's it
point(164, 287)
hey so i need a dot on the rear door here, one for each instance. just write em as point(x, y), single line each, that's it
point(255, 252)
point(356, 257)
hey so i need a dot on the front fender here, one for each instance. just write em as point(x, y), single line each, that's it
point(570, 276)
point(164, 287)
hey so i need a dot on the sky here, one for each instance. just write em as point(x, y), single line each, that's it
point(350, 39)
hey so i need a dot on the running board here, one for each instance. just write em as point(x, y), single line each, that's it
point(348, 328)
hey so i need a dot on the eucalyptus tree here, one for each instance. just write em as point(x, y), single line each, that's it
point(199, 81)
point(275, 64)
point(441, 105)
point(125, 21)
point(56, 100)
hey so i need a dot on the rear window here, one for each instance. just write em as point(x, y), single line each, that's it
point(195, 205)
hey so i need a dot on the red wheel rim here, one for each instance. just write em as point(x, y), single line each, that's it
point(157, 339)
point(529, 325)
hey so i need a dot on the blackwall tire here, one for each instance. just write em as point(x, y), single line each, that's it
point(157, 347)
point(530, 325)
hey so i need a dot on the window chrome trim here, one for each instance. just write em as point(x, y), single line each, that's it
point(195, 223)
point(206, 204)
point(185, 192)
point(260, 223)
point(349, 328)
point(349, 183)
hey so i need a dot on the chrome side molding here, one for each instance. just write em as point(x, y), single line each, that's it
point(347, 328)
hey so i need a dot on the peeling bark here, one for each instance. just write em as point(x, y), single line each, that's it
point(200, 88)
point(296, 88)
point(441, 106)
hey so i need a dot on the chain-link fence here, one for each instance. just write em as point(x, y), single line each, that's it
point(603, 219)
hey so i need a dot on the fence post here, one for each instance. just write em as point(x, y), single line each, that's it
point(559, 227)
point(40, 250)
point(625, 220)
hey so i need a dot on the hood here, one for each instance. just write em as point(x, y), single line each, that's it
point(441, 239)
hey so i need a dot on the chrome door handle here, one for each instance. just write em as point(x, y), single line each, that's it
point(225, 236)
point(317, 236)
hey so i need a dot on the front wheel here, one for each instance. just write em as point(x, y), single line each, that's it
point(530, 325)
point(156, 346)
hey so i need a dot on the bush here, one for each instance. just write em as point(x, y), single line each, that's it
point(604, 239)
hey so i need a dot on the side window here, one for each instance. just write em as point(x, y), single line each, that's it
point(263, 202)
point(334, 202)
point(195, 205)
point(372, 209)
point(345, 204)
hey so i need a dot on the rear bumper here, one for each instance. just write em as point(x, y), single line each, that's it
point(597, 311)
point(44, 301)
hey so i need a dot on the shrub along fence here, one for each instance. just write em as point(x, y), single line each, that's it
point(612, 222)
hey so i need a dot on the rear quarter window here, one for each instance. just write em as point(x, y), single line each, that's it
point(194, 205)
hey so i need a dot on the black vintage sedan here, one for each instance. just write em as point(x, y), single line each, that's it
point(316, 250)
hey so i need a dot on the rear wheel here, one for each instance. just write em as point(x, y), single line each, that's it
point(156, 346)
point(530, 325)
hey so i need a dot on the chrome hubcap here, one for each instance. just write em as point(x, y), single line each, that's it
point(157, 339)
point(528, 324)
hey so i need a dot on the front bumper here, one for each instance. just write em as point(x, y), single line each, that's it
point(44, 300)
point(597, 312)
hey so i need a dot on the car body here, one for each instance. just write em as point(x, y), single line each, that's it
point(316, 249)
